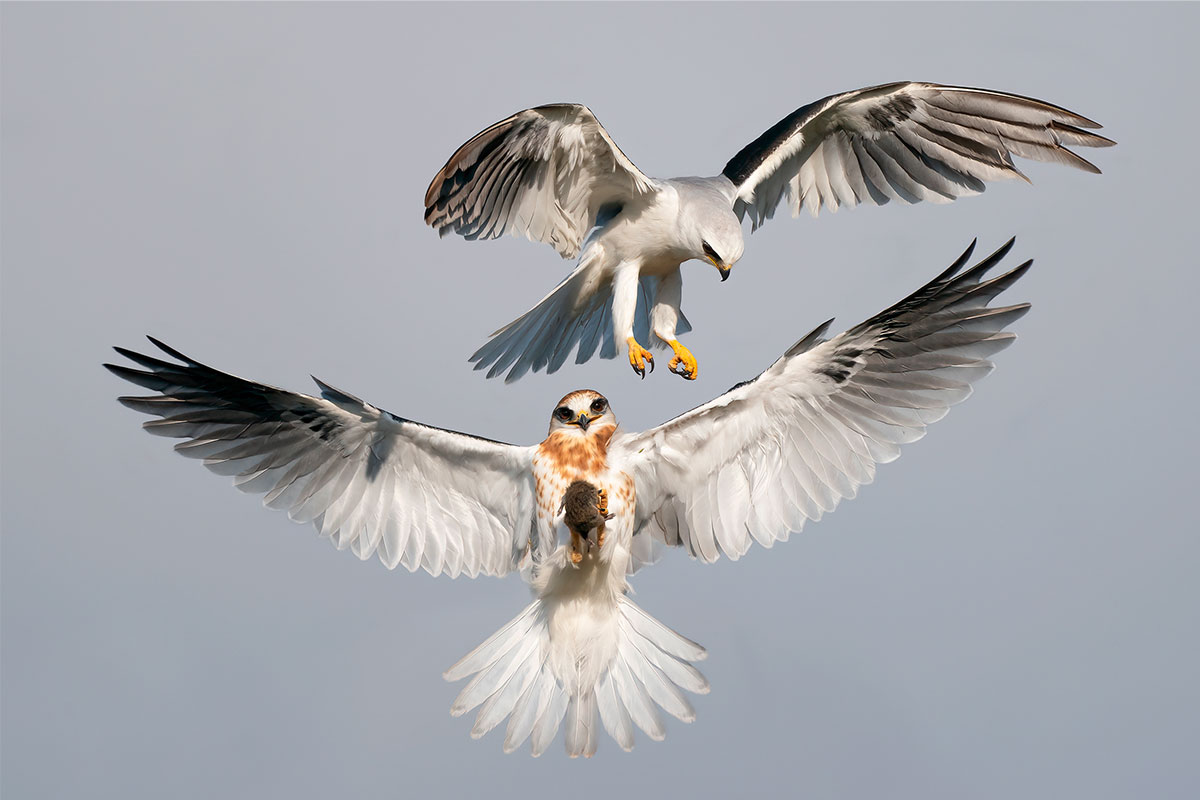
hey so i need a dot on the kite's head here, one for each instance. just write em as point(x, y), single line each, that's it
point(720, 242)
point(582, 410)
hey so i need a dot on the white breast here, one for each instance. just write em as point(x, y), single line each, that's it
point(650, 235)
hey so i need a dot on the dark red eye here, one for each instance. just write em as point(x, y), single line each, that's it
point(599, 405)
point(563, 413)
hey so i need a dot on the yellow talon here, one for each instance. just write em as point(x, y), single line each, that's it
point(639, 357)
point(602, 502)
point(683, 356)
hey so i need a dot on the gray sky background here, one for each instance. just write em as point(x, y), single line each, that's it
point(1011, 611)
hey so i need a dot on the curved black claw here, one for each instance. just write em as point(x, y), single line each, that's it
point(641, 371)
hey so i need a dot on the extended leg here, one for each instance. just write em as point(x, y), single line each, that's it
point(625, 289)
point(663, 319)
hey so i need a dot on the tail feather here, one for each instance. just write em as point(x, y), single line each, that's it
point(514, 677)
point(547, 722)
point(579, 728)
point(659, 635)
point(493, 678)
point(496, 645)
point(613, 712)
point(660, 690)
point(529, 708)
point(543, 337)
point(590, 335)
point(643, 711)
point(503, 700)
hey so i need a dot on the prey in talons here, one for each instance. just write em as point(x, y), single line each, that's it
point(585, 509)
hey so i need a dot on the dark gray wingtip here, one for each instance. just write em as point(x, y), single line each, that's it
point(961, 260)
point(977, 272)
point(123, 372)
point(171, 351)
point(334, 394)
point(958, 264)
point(811, 340)
point(141, 359)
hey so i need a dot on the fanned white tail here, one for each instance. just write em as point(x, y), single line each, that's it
point(560, 663)
point(576, 312)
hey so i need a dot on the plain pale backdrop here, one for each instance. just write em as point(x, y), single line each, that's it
point(1012, 611)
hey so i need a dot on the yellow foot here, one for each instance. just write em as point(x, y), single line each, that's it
point(602, 502)
point(576, 556)
point(684, 360)
point(600, 538)
point(639, 357)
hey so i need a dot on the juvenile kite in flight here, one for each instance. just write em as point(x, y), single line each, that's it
point(753, 465)
point(552, 174)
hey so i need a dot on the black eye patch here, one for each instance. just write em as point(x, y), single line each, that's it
point(563, 413)
point(598, 406)
point(708, 251)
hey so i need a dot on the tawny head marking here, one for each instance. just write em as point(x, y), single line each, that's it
point(581, 410)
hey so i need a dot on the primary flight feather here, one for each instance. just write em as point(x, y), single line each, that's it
point(753, 465)
point(553, 174)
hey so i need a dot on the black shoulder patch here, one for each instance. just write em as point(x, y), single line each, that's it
point(750, 157)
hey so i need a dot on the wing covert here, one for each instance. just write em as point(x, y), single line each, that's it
point(544, 173)
point(371, 481)
point(764, 458)
point(901, 141)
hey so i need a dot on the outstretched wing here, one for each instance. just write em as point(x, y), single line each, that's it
point(765, 457)
point(371, 481)
point(901, 141)
point(544, 173)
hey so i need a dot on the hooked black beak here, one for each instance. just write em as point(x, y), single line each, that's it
point(724, 272)
point(583, 421)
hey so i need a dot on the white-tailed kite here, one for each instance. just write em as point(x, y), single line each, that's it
point(552, 174)
point(753, 465)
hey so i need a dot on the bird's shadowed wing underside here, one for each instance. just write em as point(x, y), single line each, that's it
point(544, 173)
point(369, 480)
point(764, 458)
point(901, 141)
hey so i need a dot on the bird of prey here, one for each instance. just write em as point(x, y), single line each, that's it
point(752, 465)
point(552, 174)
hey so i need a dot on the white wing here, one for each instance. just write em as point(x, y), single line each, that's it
point(371, 481)
point(772, 453)
point(901, 141)
point(544, 173)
